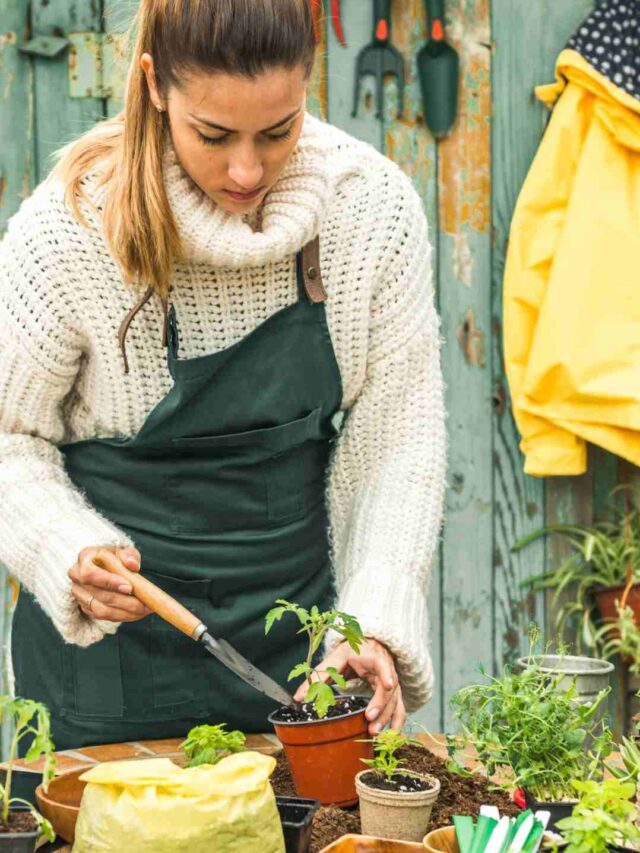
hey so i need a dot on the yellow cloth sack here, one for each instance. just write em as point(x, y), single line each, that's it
point(154, 806)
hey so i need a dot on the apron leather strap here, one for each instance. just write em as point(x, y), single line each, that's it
point(311, 271)
point(124, 326)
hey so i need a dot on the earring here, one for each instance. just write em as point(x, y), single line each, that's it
point(160, 108)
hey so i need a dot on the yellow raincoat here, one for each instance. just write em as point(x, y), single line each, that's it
point(572, 279)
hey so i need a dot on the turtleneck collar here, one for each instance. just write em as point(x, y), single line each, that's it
point(290, 216)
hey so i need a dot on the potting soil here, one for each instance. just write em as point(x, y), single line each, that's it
point(19, 821)
point(458, 795)
point(306, 713)
point(400, 782)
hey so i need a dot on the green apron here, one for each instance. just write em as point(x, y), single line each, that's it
point(223, 493)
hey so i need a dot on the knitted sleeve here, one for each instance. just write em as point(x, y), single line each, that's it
point(387, 478)
point(44, 520)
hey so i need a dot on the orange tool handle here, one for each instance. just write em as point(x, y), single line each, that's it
point(155, 598)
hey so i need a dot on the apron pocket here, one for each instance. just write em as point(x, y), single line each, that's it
point(244, 480)
point(177, 660)
point(97, 679)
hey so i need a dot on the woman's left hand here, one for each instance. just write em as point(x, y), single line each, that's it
point(375, 665)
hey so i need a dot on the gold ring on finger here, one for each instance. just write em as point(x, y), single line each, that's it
point(89, 602)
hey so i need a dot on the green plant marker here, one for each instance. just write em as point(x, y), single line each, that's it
point(484, 829)
point(464, 832)
point(533, 841)
point(506, 844)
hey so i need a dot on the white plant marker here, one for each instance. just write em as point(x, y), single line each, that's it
point(498, 836)
point(522, 834)
point(490, 811)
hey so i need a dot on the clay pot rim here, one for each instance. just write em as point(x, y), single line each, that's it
point(405, 795)
point(325, 721)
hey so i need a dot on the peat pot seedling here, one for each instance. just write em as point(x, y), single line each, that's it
point(528, 727)
point(316, 625)
point(386, 762)
point(602, 818)
point(30, 719)
point(208, 744)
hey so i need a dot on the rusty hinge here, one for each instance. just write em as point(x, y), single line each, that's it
point(97, 65)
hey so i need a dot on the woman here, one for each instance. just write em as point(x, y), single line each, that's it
point(189, 301)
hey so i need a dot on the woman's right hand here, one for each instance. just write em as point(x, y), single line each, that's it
point(103, 595)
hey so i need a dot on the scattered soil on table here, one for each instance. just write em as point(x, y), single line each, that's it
point(458, 795)
point(399, 782)
point(19, 821)
point(305, 713)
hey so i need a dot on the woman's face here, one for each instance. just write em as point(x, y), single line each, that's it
point(233, 135)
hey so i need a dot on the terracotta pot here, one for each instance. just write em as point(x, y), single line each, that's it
point(366, 844)
point(325, 755)
point(606, 601)
point(442, 841)
point(61, 803)
point(396, 814)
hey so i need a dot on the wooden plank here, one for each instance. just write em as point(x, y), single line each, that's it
point(525, 44)
point(117, 18)
point(465, 270)
point(60, 118)
point(409, 144)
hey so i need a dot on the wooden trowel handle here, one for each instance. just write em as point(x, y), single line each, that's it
point(155, 598)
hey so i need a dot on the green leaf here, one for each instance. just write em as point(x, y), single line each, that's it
point(337, 677)
point(272, 616)
point(321, 696)
point(299, 669)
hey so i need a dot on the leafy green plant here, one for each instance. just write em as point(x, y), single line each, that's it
point(208, 744)
point(630, 755)
point(621, 636)
point(528, 727)
point(385, 747)
point(316, 625)
point(602, 817)
point(602, 556)
point(30, 720)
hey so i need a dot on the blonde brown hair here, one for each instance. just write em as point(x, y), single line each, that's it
point(243, 37)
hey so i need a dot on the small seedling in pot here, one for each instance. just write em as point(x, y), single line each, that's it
point(602, 819)
point(29, 719)
point(386, 762)
point(208, 744)
point(316, 625)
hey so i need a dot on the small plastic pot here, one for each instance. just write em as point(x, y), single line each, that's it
point(325, 755)
point(296, 816)
point(19, 842)
point(558, 810)
point(401, 815)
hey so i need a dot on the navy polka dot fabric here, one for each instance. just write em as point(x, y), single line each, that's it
point(609, 39)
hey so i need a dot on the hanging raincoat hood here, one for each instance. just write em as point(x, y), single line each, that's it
point(572, 280)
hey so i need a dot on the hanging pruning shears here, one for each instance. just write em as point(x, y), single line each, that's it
point(316, 6)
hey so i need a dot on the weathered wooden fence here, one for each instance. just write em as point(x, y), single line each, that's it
point(469, 184)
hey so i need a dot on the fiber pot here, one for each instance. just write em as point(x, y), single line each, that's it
point(442, 841)
point(557, 810)
point(325, 755)
point(403, 815)
point(296, 816)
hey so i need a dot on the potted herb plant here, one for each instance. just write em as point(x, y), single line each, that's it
point(394, 803)
point(602, 819)
point(323, 738)
point(602, 571)
point(529, 728)
point(208, 744)
point(21, 824)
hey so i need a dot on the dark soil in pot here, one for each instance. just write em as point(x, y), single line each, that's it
point(458, 795)
point(398, 782)
point(19, 821)
point(305, 713)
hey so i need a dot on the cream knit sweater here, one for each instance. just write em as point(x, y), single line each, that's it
point(61, 372)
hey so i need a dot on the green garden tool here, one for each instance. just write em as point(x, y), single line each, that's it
point(438, 69)
point(380, 58)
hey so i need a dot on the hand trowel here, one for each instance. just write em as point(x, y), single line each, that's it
point(184, 620)
point(439, 70)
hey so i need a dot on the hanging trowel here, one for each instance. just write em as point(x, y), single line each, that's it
point(184, 620)
point(438, 69)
